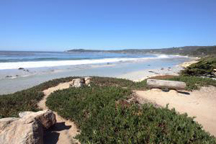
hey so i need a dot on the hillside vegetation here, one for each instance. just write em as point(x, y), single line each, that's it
point(205, 67)
point(104, 115)
point(26, 100)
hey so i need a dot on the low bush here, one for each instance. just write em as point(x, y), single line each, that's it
point(107, 81)
point(80, 104)
point(103, 116)
point(204, 67)
point(117, 82)
point(11, 105)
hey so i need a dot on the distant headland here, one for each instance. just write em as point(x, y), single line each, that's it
point(186, 50)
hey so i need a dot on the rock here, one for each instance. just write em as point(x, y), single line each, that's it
point(80, 82)
point(21, 68)
point(22, 114)
point(214, 72)
point(28, 129)
point(46, 118)
point(77, 83)
point(20, 131)
point(6, 121)
point(87, 81)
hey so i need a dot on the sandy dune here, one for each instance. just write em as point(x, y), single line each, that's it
point(199, 103)
point(64, 130)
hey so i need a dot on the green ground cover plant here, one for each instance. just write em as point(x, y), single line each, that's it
point(12, 104)
point(117, 82)
point(104, 116)
point(25, 100)
point(204, 67)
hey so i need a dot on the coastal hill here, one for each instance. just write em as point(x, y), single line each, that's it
point(186, 50)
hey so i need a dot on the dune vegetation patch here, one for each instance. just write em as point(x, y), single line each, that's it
point(205, 67)
point(25, 100)
point(104, 115)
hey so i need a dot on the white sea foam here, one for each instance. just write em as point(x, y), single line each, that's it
point(39, 64)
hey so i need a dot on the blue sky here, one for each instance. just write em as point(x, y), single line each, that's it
point(58, 25)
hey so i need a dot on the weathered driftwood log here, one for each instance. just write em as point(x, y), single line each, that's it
point(166, 84)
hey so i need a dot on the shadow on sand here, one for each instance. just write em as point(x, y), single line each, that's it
point(181, 92)
point(51, 136)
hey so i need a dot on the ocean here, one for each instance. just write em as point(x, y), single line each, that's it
point(15, 59)
point(22, 70)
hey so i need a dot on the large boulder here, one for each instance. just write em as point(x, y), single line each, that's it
point(46, 118)
point(20, 131)
point(28, 129)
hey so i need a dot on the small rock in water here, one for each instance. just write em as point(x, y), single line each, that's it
point(26, 70)
point(20, 68)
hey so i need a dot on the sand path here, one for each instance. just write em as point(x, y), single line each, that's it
point(199, 103)
point(64, 130)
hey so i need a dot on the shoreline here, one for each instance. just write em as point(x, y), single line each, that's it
point(168, 71)
point(142, 75)
point(188, 63)
point(16, 80)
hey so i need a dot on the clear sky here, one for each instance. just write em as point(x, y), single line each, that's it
point(57, 25)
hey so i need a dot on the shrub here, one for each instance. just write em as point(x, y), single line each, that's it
point(117, 82)
point(79, 104)
point(26, 100)
point(107, 81)
point(204, 67)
